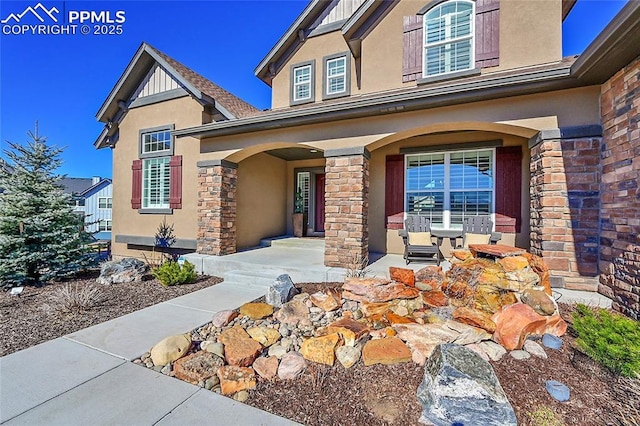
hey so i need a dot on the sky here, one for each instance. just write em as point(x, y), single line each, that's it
point(61, 80)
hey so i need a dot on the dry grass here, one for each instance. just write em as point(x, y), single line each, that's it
point(75, 298)
point(358, 266)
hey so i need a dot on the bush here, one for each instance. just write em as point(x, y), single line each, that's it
point(75, 298)
point(171, 273)
point(611, 339)
point(544, 416)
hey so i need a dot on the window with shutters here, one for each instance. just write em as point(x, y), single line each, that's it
point(337, 76)
point(450, 186)
point(302, 83)
point(448, 38)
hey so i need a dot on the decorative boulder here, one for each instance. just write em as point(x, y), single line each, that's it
point(122, 271)
point(459, 387)
point(281, 291)
point(170, 349)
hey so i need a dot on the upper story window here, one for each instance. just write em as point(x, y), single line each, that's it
point(448, 38)
point(156, 142)
point(105, 202)
point(337, 76)
point(156, 149)
point(105, 226)
point(302, 88)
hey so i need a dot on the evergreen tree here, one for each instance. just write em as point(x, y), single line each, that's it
point(40, 236)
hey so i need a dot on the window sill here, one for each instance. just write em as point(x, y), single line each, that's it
point(155, 211)
point(448, 76)
point(326, 97)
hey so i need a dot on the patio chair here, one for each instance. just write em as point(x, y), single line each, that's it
point(418, 242)
point(477, 230)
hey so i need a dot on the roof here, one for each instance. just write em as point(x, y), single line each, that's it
point(75, 186)
point(116, 105)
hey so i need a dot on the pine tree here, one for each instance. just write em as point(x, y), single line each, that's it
point(40, 236)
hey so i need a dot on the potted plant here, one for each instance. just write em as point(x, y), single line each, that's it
point(298, 214)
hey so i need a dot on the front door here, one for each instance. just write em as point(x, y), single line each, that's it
point(319, 212)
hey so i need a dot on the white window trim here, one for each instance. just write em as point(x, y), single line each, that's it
point(446, 213)
point(106, 203)
point(306, 83)
point(108, 225)
point(162, 178)
point(471, 37)
point(342, 75)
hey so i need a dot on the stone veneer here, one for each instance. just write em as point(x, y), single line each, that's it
point(346, 206)
point(217, 207)
point(620, 214)
point(565, 201)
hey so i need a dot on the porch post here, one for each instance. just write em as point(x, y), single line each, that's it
point(346, 206)
point(217, 207)
point(565, 202)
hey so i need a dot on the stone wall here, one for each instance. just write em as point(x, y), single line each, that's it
point(217, 208)
point(565, 201)
point(620, 215)
point(346, 207)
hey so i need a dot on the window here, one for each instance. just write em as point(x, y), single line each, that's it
point(156, 142)
point(104, 202)
point(303, 185)
point(156, 150)
point(448, 38)
point(302, 83)
point(104, 226)
point(337, 76)
point(450, 186)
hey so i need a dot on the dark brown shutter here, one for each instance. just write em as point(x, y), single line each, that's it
point(136, 184)
point(412, 48)
point(394, 191)
point(487, 33)
point(175, 182)
point(508, 189)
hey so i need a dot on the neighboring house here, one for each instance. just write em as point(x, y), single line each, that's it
point(92, 198)
point(379, 108)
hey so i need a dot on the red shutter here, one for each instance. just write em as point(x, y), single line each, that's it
point(394, 191)
point(412, 48)
point(136, 184)
point(487, 33)
point(175, 182)
point(508, 189)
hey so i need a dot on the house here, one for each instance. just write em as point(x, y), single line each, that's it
point(446, 108)
point(92, 198)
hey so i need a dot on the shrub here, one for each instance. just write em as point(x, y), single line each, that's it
point(611, 339)
point(544, 416)
point(171, 273)
point(75, 298)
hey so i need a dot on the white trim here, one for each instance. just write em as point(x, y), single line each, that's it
point(106, 203)
point(342, 75)
point(305, 83)
point(163, 180)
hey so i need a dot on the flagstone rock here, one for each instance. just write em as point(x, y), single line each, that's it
point(266, 367)
point(459, 387)
point(398, 319)
point(281, 291)
point(534, 349)
point(239, 348)
point(294, 312)
point(257, 310)
point(349, 329)
point(222, 318)
point(320, 349)
point(197, 367)
point(493, 350)
point(264, 335)
point(402, 275)
point(466, 333)
point(539, 267)
point(474, 318)
point(348, 355)
point(497, 250)
point(385, 351)
point(291, 366)
point(422, 339)
point(555, 325)
point(327, 300)
point(490, 299)
point(382, 333)
point(459, 292)
point(513, 263)
point(170, 349)
point(514, 323)
point(522, 279)
point(369, 308)
point(435, 298)
point(234, 379)
point(461, 254)
point(431, 275)
point(376, 290)
point(540, 301)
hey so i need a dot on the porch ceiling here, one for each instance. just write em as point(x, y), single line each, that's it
point(290, 154)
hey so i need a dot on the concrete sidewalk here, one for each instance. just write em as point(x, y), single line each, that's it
point(85, 377)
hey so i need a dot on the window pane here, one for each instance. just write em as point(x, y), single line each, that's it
point(430, 204)
point(304, 183)
point(336, 75)
point(155, 185)
point(156, 141)
point(471, 170)
point(469, 203)
point(425, 172)
point(447, 38)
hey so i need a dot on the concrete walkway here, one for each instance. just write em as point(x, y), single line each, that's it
point(85, 378)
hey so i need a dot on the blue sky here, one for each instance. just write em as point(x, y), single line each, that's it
point(62, 79)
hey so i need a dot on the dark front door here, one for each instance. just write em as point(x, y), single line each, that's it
point(319, 203)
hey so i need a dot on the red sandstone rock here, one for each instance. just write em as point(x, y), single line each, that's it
point(197, 367)
point(403, 275)
point(328, 300)
point(514, 323)
point(376, 290)
point(431, 275)
point(369, 309)
point(475, 318)
point(397, 319)
point(385, 351)
point(266, 367)
point(513, 263)
point(239, 348)
point(497, 250)
point(539, 267)
point(234, 379)
point(349, 329)
point(555, 325)
point(435, 298)
point(320, 349)
point(222, 318)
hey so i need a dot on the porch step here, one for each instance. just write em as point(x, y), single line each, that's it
point(294, 242)
point(250, 278)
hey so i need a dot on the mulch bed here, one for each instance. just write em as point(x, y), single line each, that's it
point(33, 317)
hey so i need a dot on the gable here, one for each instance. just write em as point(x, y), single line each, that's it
point(337, 12)
point(157, 81)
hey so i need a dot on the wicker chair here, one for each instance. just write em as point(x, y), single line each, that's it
point(418, 252)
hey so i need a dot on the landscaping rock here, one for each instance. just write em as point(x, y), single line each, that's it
point(278, 351)
point(474, 318)
point(256, 311)
point(170, 349)
point(558, 391)
point(435, 298)
point(241, 396)
point(520, 354)
point(514, 323)
point(281, 291)
point(223, 318)
point(197, 367)
point(490, 299)
point(376, 290)
point(266, 367)
point(348, 355)
point(431, 276)
point(551, 341)
point(423, 338)
point(328, 300)
point(239, 348)
point(293, 312)
point(369, 309)
point(350, 330)
point(402, 275)
point(234, 379)
point(522, 279)
point(394, 318)
point(385, 351)
point(122, 271)
point(513, 263)
point(535, 349)
point(291, 366)
point(540, 301)
point(320, 349)
point(459, 387)
point(555, 325)
point(213, 347)
point(477, 349)
point(539, 267)
point(264, 335)
point(493, 350)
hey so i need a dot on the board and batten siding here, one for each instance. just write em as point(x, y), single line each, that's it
point(92, 212)
point(338, 10)
point(156, 81)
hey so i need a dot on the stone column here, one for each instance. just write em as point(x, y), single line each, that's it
point(565, 202)
point(346, 206)
point(217, 207)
